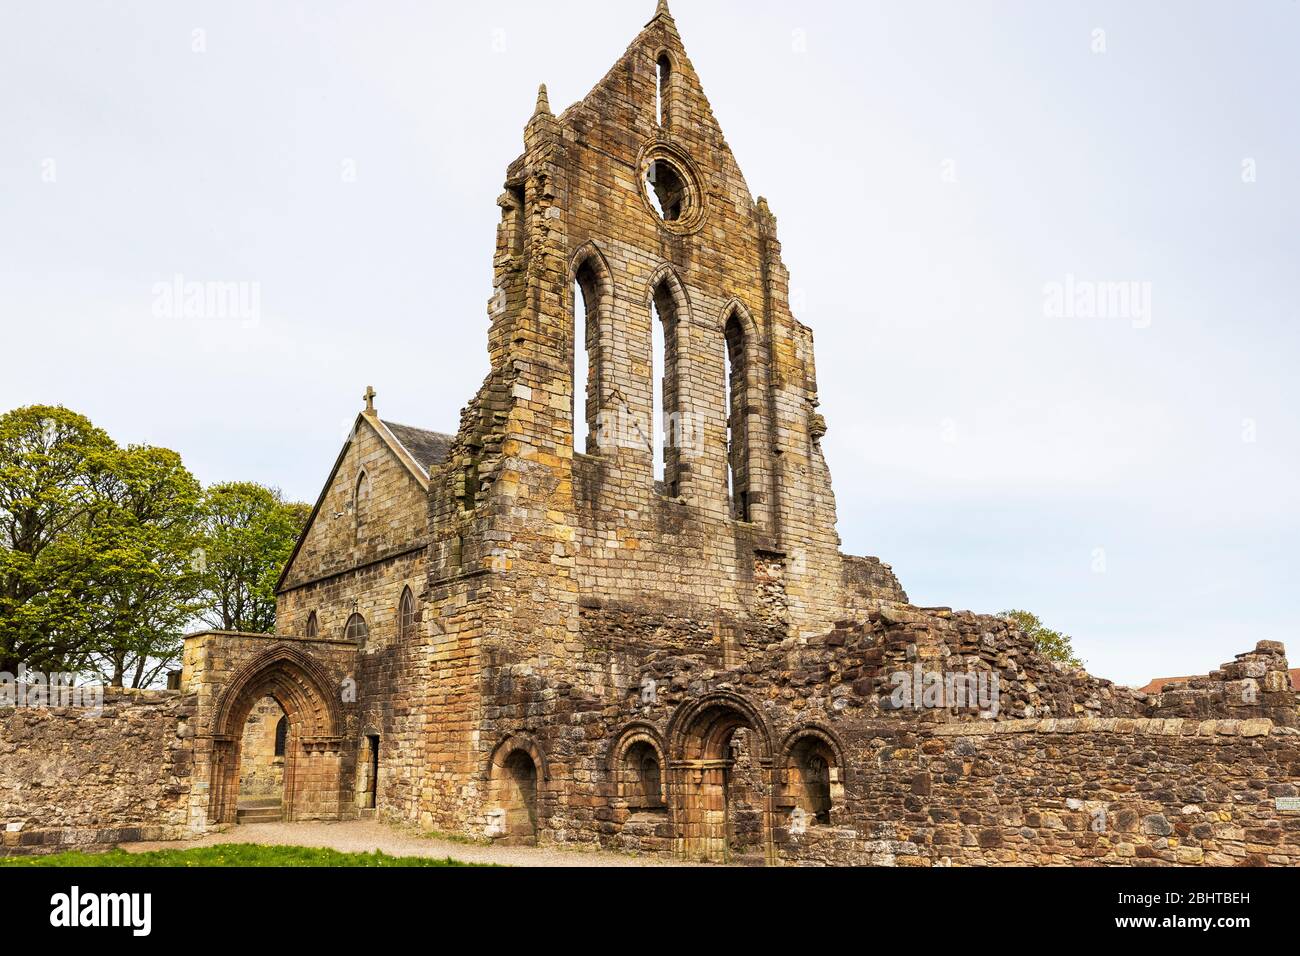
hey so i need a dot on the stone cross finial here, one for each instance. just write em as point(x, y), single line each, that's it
point(370, 399)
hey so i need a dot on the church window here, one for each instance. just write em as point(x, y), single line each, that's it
point(664, 74)
point(666, 424)
point(736, 374)
point(406, 615)
point(361, 500)
point(357, 629)
point(587, 291)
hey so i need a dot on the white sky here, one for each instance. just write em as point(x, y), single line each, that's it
point(985, 449)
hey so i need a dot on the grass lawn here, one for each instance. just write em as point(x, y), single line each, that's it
point(235, 854)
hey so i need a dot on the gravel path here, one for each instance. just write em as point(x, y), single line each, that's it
point(366, 836)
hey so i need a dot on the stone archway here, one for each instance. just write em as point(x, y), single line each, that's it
point(813, 772)
point(312, 750)
point(722, 779)
point(516, 780)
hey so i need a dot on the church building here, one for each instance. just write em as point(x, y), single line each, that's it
point(612, 609)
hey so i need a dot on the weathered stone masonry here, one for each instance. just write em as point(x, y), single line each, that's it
point(72, 778)
point(495, 634)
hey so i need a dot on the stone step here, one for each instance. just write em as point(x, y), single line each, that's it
point(260, 804)
point(259, 815)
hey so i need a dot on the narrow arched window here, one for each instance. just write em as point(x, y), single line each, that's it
point(737, 432)
point(357, 630)
point(281, 736)
point(664, 71)
point(313, 625)
point(406, 615)
point(361, 500)
point(586, 329)
point(668, 429)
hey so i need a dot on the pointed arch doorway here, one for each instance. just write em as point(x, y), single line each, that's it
point(309, 741)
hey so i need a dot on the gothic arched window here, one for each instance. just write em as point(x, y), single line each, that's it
point(586, 330)
point(313, 625)
point(664, 71)
point(361, 500)
point(406, 615)
point(737, 376)
point(670, 429)
point(357, 629)
point(281, 736)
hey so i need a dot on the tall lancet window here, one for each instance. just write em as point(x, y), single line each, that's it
point(667, 434)
point(586, 326)
point(361, 503)
point(406, 616)
point(737, 432)
point(664, 69)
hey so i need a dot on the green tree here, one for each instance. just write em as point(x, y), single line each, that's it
point(142, 562)
point(249, 531)
point(53, 467)
point(108, 554)
point(1051, 644)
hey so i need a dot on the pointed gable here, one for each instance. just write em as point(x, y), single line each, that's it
point(374, 503)
point(620, 115)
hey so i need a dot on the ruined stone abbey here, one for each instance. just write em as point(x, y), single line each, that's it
point(612, 609)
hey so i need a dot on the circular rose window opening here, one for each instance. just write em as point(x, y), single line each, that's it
point(668, 191)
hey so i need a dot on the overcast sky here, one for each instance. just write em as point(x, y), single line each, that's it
point(946, 176)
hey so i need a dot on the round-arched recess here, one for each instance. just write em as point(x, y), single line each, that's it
point(813, 774)
point(516, 783)
point(637, 767)
point(722, 779)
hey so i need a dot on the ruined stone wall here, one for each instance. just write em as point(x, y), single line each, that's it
point(1093, 791)
point(868, 582)
point(72, 779)
point(1090, 777)
point(1254, 684)
point(682, 540)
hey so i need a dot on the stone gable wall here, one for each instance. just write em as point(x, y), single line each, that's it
point(336, 542)
point(637, 541)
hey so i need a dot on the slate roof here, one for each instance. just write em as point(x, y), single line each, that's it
point(429, 449)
